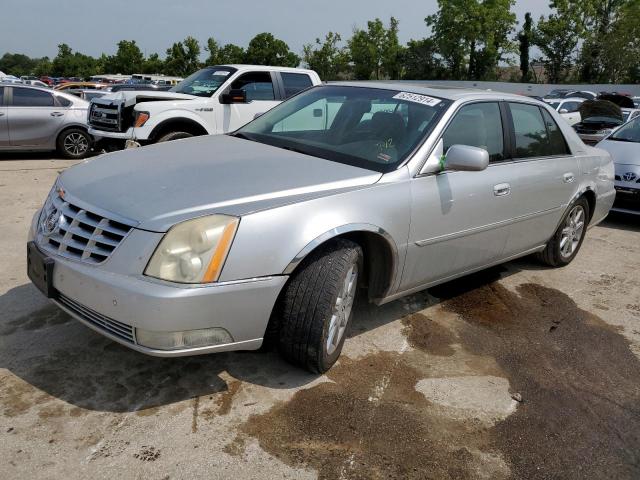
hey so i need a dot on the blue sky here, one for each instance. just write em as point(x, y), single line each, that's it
point(36, 27)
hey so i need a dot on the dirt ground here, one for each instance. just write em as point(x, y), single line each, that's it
point(517, 372)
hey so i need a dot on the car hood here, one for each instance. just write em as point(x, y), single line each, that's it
point(160, 185)
point(623, 153)
point(131, 97)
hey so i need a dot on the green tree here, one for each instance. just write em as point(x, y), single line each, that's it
point(265, 49)
point(472, 36)
point(183, 58)
point(221, 55)
point(69, 64)
point(327, 58)
point(376, 52)
point(557, 37)
point(18, 64)
point(127, 60)
point(153, 64)
point(525, 36)
point(421, 61)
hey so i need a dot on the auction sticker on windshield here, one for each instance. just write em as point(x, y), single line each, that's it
point(414, 97)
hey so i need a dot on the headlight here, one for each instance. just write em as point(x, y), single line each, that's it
point(194, 251)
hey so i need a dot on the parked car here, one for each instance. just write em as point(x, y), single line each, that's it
point(215, 99)
point(629, 114)
point(215, 243)
point(39, 119)
point(636, 102)
point(557, 93)
point(624, 147)
point(599, 118)
point(568, 108)
point(35, 83)
point(87, 95)
point(137, 87)
point(61, 87)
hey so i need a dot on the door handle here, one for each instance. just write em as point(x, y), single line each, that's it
point(502, 189)
point(1, 114)
point(56, 114)
point(568, 177)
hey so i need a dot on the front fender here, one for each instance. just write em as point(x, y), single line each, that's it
point(274, 241)
point(158, 120)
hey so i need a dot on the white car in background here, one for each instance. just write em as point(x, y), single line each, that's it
point(568, 108)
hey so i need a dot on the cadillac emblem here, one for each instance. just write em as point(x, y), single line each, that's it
point(50, 222)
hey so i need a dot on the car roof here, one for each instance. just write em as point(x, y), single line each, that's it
point(569, 99)
point(440, 91)
point(266, 68)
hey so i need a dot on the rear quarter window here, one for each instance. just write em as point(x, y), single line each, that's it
point(295, 82)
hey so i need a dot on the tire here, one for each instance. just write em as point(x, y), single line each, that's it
point(74, 143)
point(315, 308)
point(573, 227)
point(174, 136)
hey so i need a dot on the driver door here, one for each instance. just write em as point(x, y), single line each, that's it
point(457, 217)
point(261, 97)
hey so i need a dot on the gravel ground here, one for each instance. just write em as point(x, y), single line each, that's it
point(517, 372)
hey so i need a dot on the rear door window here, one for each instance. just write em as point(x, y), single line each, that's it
point(27, 97)
point(1, 96)
point(477, 125)
point(258, 86)
point(531, 138)
point(295, 82)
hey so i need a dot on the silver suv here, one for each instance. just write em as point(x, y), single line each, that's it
point(218, 242)
point(39, 119)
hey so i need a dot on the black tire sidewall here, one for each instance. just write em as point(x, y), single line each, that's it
point(64, 135)
point(168, 137)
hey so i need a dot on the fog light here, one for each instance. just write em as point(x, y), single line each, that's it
point(205, 337)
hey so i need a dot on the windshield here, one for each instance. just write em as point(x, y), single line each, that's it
point(554, 105)
point(204, 82)
point(628, 133)
point(365, 127)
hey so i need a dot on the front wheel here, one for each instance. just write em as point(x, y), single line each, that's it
point(567, 240)
point(174, 136)
point(74, 143)
point(315, 308)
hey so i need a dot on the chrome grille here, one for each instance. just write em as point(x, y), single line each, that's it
point(77, 233)
point(105, 324)
point(105, 115)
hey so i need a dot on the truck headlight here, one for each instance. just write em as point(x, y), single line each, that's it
point(194, 251)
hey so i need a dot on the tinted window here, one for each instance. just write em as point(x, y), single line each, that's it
point(27, 97)
point(530, 131)
point(628, 133)
point(294, 83)
point(477, 125)
point(64, 101)
point(258, 86)
point(557, 143)
point(1, 95)
point(571, 106)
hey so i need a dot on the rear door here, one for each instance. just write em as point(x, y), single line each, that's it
point(4, 125)
point(34, 117)
point(545, 176)
point(262, 95)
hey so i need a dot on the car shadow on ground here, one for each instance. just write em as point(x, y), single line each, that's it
point(52, 355)
point(622, 221)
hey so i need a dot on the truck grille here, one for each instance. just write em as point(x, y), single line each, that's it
point(67, 230)
point(105, 116)
point(105, 324)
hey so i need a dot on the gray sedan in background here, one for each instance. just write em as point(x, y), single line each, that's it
point(624, 147)
point(221, 243)
point(39, 119)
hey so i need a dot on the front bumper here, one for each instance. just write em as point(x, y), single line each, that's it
point(627, 184)
point(116, 305)
point(128, 135)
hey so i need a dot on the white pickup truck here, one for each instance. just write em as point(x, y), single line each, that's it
point(213, 100)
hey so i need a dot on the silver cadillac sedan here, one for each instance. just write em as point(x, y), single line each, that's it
point(270, 233)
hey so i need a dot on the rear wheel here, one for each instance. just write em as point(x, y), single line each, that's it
point(315, 309)
point(174, 136)
point(566, 242)
point(74, 143)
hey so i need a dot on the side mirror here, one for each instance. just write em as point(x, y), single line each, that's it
point(563, 110)
point(235, 95)
point(466, 159)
